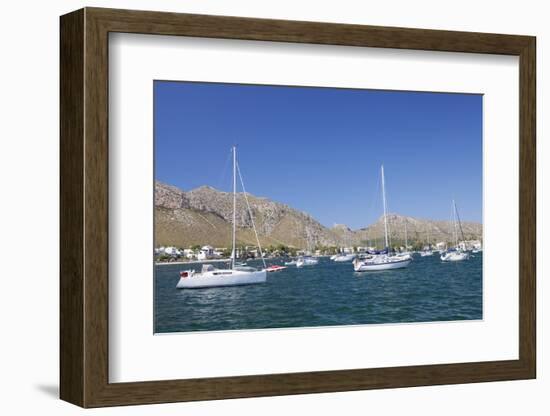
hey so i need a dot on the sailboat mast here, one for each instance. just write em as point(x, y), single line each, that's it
point(454, 223)
point(384, 203)
point(234, 206)
point(459, 225)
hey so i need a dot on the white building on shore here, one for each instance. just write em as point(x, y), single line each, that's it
point(169, 251)
point(189, 253)
point(206, 252)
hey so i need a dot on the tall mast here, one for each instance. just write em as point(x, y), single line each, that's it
point(384, 203)
point(406, 236)
point(454, 223)
point(234, 206)
point(459, 225)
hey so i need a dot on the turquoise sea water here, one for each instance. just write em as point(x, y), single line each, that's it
point(326, 294)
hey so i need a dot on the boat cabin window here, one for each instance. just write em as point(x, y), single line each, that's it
point(207, 268)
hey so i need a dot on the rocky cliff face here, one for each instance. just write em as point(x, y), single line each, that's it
point(170, 197)
point(204, 215)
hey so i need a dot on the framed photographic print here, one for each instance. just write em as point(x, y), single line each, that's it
point(255, 207)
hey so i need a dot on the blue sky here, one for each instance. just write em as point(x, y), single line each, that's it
point(320, 149)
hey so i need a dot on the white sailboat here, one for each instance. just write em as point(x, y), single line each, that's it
point(456, 253)
point(405, 254)
point(428, 249)
point(237, 274)
point(342, 256)
point(307, 260)
point(382, 260)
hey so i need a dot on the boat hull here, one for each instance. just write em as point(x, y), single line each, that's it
point(222, 278)
point(375, 267)
point(306, 262)
point(341, 259)
point(454, 257)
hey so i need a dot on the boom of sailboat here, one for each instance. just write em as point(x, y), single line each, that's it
point(371, 261)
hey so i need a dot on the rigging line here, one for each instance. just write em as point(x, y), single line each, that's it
point(452, 222)
point(251, 216)
point(459, 223)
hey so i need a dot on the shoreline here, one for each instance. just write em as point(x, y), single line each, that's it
point(167, 263)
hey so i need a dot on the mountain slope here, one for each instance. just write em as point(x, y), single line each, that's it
point(203, 216)
point(416, 229)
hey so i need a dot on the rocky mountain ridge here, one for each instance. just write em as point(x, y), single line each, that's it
point(204, 216)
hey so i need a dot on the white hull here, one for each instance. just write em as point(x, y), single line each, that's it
point(426, 253)
point(404, 256)
point(343, 258)
point(454, 256)
point(306, 262)
point(219, 278)
point(378, 264)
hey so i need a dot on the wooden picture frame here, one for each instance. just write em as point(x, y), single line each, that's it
point(84, 207)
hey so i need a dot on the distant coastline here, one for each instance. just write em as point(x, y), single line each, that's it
point(167, 263)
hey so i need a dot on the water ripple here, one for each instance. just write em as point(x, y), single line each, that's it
point(326, 294)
